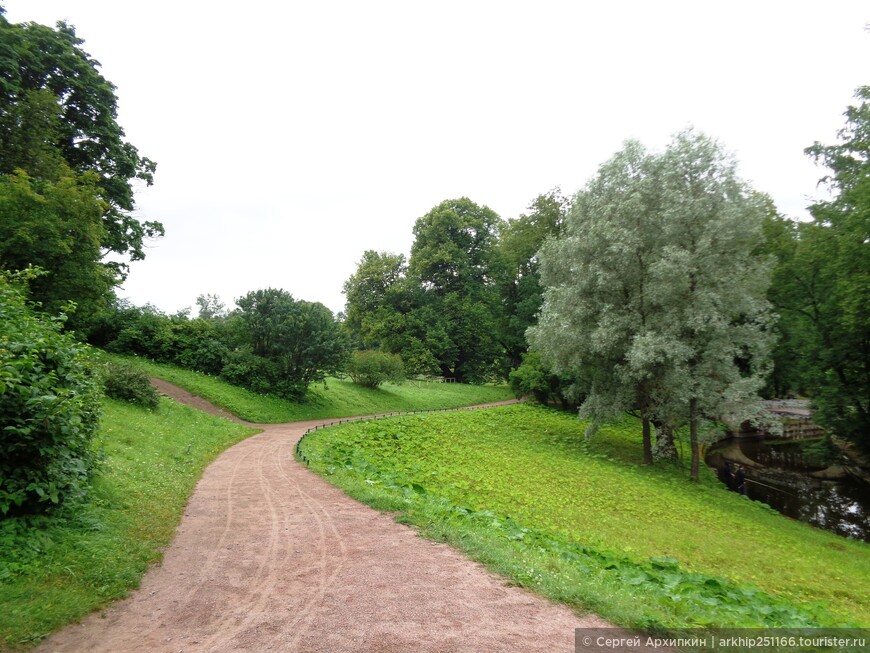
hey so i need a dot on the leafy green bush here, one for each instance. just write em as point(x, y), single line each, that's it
point(49, 409)
point(130, 384)
point(256, 373)
point(535, 379)
point(197, 344)
point(372, 368)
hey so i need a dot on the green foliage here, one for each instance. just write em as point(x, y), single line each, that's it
point(521, 489)
point(440, 311)
point(48, 409)
point(57, 226)
point(56, 569)
point(654, 293)
point(376, 294)
point(199, 344)
point(452, 259)
point(287, 344)
point(55, 106)
point(371, 369)
point(519, 278)
point(130, 384)
point(535, 378)
point(824, 282)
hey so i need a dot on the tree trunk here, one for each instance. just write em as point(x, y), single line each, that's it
point(665, 448)
point(647, 442)
point(693, 439)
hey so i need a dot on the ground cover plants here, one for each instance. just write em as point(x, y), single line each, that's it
point(339, 398)
point(583, 522)
point(56, 569)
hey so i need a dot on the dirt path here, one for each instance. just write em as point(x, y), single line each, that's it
point(269, 557)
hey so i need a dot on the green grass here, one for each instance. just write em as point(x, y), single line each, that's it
point(54, 570)
point(582, 522)
point(340, 398)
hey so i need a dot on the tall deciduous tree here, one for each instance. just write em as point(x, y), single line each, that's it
point(828, 281)
point(376, 298)
point(56, 225)
point(288, 343)
point(654, 294)
point(452, 259)
point(519, 278)
point(55, 106)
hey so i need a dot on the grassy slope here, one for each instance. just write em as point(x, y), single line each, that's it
point(533, 466)
point(340, 398)
point(57, 570)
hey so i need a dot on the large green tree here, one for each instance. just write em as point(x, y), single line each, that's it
point(376, 297)
point(453, 259)
point(519, 284)
point(823, 283)
point(285, 344)
point(55, 104)
point(653, 295)
point(57, 226)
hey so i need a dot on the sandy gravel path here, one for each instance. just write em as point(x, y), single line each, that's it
point(269, 557)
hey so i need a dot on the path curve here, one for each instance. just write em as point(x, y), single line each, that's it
point(270, 557)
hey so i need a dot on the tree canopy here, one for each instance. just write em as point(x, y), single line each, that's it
point(55, 106)
point(822, 288)
point(285, 344)
point(653, 294)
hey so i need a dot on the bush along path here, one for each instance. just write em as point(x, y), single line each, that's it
point(269, 556)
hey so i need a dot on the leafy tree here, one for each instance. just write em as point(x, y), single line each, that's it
point(653, 294)
point(55, 107)
point(453, 259)
point(791, 373)
point(535, 378)
point(56, 226)
point(288, 343)
point(825, 284)
point(519, 283)
point(49, 409)
point(371, 368)
point(377, 295)
point(716, 317)
point(211, 307)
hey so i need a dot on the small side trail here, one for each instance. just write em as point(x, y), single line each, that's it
point(270, 557)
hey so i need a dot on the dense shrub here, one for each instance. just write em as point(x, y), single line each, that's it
point(250, 371)
point(195, 344)
point(372, 368)
point(536, 379)
point(49, 409)
point(130, 384)
point(273, 344)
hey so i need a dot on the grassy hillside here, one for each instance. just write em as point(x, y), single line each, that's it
point(340, 398)
point(520, 489)
point(54, 570)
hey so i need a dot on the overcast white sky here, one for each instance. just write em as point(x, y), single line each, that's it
point(292, 136)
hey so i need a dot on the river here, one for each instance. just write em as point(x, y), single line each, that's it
point(778, 474)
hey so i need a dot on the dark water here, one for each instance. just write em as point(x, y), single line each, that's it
point(841, 506)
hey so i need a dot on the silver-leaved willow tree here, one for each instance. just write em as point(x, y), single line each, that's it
point(653, 299)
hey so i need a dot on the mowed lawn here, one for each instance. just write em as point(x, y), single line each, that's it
point(531, 467)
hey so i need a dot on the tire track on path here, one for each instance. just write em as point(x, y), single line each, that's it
point(269, 556)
